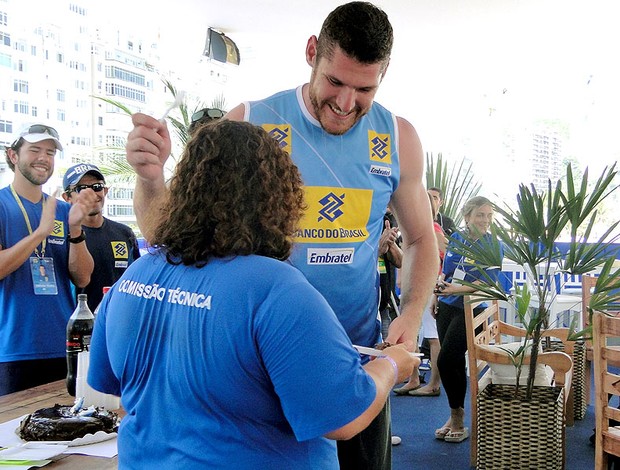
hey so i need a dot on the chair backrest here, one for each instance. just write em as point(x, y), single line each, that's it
point(587, 287)
point(570, 284)
point(486, 329)
point(606, 358)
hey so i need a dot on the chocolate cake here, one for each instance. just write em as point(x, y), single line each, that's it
point(62, 423)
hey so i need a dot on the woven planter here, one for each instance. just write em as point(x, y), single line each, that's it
point(579, 376)
point(518, 434)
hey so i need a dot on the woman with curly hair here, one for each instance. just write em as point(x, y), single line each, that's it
point(224, 355)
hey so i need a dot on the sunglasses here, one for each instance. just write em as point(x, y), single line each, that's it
point(97, 187)
point(41, 129)
point(208, 113)
point(37, 129)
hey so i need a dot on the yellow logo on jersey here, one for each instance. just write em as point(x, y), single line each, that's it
point(282, 134)
point(380, 147)
point(335, 215)
point(120, 250)
point(59, 229)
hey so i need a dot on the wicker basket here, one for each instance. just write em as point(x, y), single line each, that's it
point(579, 375)
point(518, 434)
point(579, 380)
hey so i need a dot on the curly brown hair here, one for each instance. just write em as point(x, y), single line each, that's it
point(234, 192)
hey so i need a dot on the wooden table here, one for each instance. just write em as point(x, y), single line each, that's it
point(18, 404)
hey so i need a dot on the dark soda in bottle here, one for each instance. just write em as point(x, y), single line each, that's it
point(79, 332)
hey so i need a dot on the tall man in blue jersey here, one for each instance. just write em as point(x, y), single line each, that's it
point(355, 157)
point(42, 251)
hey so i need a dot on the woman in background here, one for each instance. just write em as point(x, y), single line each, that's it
point(450, 314)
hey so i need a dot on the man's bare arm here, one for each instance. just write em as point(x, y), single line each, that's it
point(420, 254)
point(148, 148)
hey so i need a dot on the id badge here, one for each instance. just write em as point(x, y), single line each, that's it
point(381, 266)
point(459, 274)
point(43, 276)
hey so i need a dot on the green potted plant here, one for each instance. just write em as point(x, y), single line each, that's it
point(529, 233)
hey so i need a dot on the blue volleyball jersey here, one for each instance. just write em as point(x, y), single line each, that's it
point(348, 182)
point(33, 326)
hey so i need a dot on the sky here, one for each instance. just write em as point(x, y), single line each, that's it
point(459, 70)
point(462, 72)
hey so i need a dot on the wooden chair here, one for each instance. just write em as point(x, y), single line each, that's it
point(606, 383)
point(587, 287)
point(486, 330)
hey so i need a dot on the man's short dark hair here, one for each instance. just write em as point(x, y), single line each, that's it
point(437, 190)
point(15, 147)
point(361, 29)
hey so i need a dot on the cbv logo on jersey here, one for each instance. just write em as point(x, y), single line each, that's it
point(335, 215)
point(380, 150)
point(282, 134)
point(57, 237)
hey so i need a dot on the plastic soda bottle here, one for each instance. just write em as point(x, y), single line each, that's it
point(79, 332)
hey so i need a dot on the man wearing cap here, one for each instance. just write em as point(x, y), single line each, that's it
point(113, 245)
point(37, 230)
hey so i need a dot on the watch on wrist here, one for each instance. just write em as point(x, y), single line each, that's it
point(79, 239)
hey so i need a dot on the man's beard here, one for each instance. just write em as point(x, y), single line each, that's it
point(28, 174)
point(318, 107)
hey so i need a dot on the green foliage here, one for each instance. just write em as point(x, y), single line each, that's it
point(606, 295)
point(116, 168)
point(528, 233)
point(458, 184)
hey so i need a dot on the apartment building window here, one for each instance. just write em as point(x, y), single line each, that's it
point(124, 75)
point(20, 86)
point(6, 126)
point(59, 57)
point(33, 50)
point(60, 95)
point(80, 141)
point(100, 120)
point(77, 9)
point(35, 111)
point(5, 39)
point(120, 193)
point(5, 60)
point(21, 66)
point(115, 141)
point(20, 46)
point(21, 107)
point(119, 90)
point(60, 114)
point(120, 210)
point(3, 18)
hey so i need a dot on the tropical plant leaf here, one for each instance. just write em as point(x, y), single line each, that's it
point(529, 232)
point(458, 184)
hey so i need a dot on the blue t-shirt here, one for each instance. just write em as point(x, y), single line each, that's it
point(453, 262)
point(348, 182)
point(113, 247)
point(239, 364)
point(33, 326)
